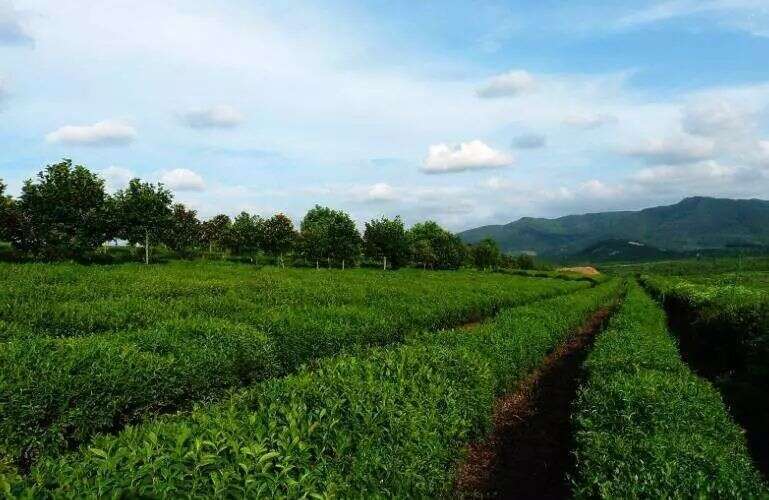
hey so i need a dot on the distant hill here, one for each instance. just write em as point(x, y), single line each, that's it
point(622, 251)
point(692, 224)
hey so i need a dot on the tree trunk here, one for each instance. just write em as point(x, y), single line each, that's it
point(317, 265)
point(282, 266)
point(342, 264)
point(146, 246)
point(328, 261)
point(384, 263)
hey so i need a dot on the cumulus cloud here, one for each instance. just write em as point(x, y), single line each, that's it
point(672, 151)
point(182, 179)
point(529, 141)
point(380, 192)
point(104, 133)
point(11, 30)
point(222, 116)
point(715, 117)
point(473, 155)
point(116, 177)
point(589, 120)
point(509, 84)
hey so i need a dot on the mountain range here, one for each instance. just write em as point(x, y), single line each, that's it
point(692, 224)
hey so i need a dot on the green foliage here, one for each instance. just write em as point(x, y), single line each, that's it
point(434, 247)
point(143, 212)
point(246, 234)
point(388, 423)
point(279, 235)
point(329, 234)
point(215, 231)
point(89, 349)
point(485, 254)
point(386, 239)
point(691, 224)
point(730, 319)
point(8, 214)
point(62, 214)
point(183, 232)
point(649, 428)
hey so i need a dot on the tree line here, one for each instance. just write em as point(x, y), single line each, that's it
point(66, 213)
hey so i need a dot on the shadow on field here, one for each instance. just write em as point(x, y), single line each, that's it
point(528, 454)
point(742, 387)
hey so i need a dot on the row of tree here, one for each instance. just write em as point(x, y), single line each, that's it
point(66, 213)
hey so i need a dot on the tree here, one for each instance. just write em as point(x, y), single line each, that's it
point(7, 214)
point(215, 231)
point(524, 261)
point(485, 254)
point(61, 213)
point(183, 231)
point(329, 234)
point(386, 239)
point(144, 213)
point(246, 233)
point(279, 236)
point(314, 233)
point(434, 246)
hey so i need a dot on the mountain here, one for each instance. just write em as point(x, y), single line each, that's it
point(623, 251)
point(691, 224)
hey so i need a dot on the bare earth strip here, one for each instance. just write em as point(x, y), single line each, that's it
point(528, 454)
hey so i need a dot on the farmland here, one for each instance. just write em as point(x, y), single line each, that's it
point(227, 380)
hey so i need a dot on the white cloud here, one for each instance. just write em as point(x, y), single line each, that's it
point(472, 155)
point(11, 30)
point(222, 116)
point(380, 192)
point(695, 174)
point(597, 189)
point(715, 117)
point(673, 150)
point(497, 183)
point(751, 16)
point(116, 177)
point(530, 141)
point(182, 179)
point(104, 133)
point(508, 84)
point(589, 120)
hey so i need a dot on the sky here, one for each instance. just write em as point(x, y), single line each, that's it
point(467, 113)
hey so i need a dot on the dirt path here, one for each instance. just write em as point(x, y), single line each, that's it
point(528, 454)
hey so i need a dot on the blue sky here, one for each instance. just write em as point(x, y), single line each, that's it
point(468, 112)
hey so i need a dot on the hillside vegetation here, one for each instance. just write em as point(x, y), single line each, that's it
point(694, 223)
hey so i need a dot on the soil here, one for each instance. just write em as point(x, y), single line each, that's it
point(584, 270)
point(528, 454)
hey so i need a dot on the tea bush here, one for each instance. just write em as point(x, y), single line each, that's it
point(649, 428)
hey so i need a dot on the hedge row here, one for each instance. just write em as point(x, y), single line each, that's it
point(390, 422)
point(647, 427)
point(728, 323)
point(55, 393)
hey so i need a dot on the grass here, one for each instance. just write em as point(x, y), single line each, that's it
point(647, 427)
point(388, 422)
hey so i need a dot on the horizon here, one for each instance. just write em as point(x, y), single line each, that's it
point(466, 114)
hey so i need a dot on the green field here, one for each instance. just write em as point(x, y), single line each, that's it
point(226, 380)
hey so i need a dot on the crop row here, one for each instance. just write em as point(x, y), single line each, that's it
point(55, 393)
point(647, 426)
point(728, 323)
point(387, 422)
